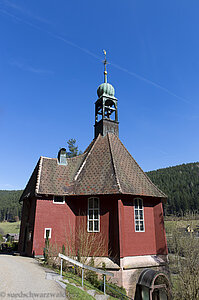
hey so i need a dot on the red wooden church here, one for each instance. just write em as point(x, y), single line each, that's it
point(105, 188)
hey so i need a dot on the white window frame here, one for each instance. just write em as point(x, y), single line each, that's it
point(138, 209)
point(63, 202)
point(93, 220)
point(50, 229)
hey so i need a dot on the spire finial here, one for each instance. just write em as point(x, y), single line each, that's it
point(105, 63)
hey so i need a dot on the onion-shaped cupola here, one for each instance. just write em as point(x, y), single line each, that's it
point(105, 89)
point(106, 115)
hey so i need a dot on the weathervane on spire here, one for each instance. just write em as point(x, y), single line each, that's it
point(105, 63)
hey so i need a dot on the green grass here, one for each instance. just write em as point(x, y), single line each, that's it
point(73, 278)
point(10, 227)
point(76, 294)
point(170, 225)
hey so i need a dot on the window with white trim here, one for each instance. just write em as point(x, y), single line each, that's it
point(93, 218)
point(139, 215)
point(59, 199)
point(47, 233)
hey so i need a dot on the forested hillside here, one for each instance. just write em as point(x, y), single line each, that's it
point(181, 185)
point(10, 209)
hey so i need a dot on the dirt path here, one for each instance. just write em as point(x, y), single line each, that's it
point(24, 278)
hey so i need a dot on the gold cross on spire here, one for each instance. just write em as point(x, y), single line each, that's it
point(105, 63)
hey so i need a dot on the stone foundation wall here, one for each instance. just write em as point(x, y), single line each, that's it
point(132, 267)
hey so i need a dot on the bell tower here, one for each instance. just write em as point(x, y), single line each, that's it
point(106, 114)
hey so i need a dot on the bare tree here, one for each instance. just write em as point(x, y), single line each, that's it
point(80, 245)
point(83, 245)
point(184, 265)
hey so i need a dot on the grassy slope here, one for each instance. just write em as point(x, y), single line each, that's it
point(72, 291)
point(76, 294)
point(10, 227)
point(170, 225)
point(73, 278)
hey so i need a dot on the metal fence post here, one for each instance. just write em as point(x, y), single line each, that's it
point(82, 276)
point(104, 284)
point(61, 267)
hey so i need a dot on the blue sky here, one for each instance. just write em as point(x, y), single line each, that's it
point(51, 65)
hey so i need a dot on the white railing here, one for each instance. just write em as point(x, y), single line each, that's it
point(83, 266)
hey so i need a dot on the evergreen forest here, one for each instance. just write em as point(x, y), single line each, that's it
point(179, 183)
point(10, 209)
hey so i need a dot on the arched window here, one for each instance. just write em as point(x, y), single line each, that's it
point(139, 215)
point(93, 217)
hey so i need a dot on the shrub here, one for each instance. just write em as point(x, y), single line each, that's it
point(92, 276)
point(46, 250)
point(1, 238)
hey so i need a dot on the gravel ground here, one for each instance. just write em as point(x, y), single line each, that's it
point(23, 278)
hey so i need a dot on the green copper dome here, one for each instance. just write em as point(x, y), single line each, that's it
point(106, 89)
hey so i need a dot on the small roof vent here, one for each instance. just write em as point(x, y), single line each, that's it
point(62, 157)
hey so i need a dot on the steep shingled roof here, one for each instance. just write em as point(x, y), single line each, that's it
point(106, 167)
